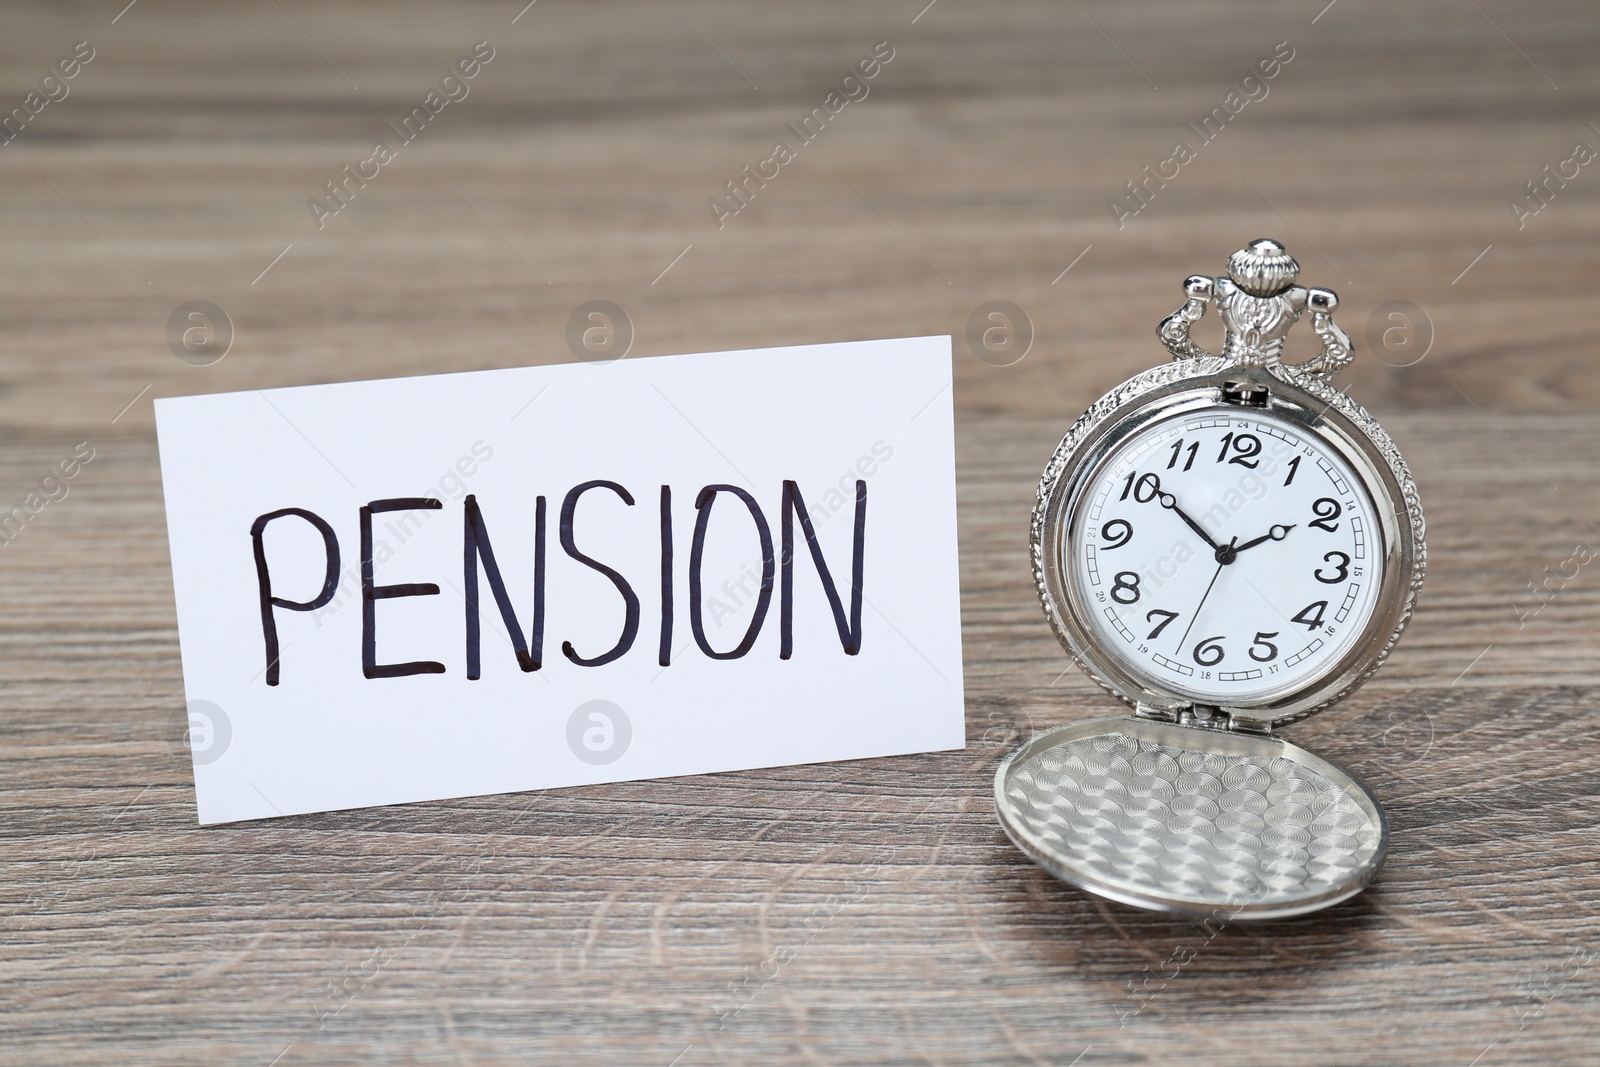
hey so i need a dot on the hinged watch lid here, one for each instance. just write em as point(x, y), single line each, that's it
point(1188, 821)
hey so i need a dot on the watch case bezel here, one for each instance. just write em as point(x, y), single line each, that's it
point(1313, 407)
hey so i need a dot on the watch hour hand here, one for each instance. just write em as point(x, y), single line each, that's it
point(1170, 502)
point(1277, 533)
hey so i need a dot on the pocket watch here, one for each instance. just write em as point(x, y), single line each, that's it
point(1227, 543)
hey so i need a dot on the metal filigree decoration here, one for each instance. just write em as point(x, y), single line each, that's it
point(1258, 301)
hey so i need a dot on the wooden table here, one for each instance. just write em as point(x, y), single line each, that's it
point(865, 912)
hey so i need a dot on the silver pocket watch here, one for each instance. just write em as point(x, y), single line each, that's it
point(1228, 544)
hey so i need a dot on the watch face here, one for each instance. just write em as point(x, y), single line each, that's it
point(1229, 556)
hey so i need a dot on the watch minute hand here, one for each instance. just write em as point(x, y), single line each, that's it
point(1170, 502)
point(1277, 533)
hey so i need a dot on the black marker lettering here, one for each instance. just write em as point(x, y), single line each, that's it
point(630, 626)
point(849, 633)
point(475, 545)
point(269, 625)
point(371, 594)
point(703, 504)
point(665, 656)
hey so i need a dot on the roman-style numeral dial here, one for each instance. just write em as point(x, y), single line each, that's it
point(1227, 556)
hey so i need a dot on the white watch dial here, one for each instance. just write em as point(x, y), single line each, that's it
point(1228, 556)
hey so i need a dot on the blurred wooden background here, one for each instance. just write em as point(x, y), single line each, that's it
point(852, 913)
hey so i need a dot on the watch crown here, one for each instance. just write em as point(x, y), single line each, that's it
point(1263, 268)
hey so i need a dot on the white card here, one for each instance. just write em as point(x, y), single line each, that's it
point(844, 451)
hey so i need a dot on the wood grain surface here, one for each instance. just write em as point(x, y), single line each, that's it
point(854, 913)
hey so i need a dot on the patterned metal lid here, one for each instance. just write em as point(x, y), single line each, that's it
point(1191, 821)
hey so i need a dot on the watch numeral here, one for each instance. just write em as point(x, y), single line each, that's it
point(1343, 565)
point(1177, 449)
point(1145, 489)
point(1116, 533)
point(1262, 642)
point(1327, 510)
point(1203, 652)
point(1127, 582)
point(1294, 466)
point(1150, 616)
point(1246, 446)
point(1311, 615)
